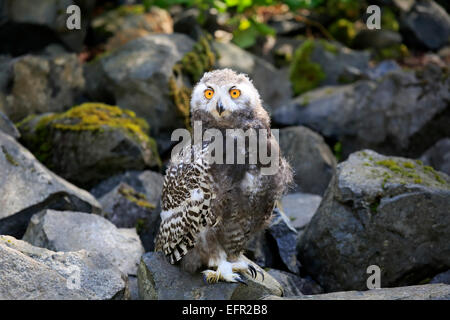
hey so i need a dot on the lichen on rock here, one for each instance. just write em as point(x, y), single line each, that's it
point(136, 197)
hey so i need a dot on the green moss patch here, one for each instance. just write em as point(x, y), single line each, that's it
point(396, 52)
point(388, 20)
point(405, 172)
point(193, 65)
point(343, 30)
point(127, 10)
point(305, 74)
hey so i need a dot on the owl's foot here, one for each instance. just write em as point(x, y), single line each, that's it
point(224, 273)
point(244, 267)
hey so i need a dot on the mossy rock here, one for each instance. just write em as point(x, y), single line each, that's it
point(305, 74)
point(387, 211)
point(92, 139)
point(192, 66)
point(318, 62)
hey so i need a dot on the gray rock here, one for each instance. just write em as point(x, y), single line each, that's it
point(136, 77)
point(428, 23)
point(186, 22)
point(147, 182)
point(133, 287)
point(293, 285)
point(382, 68)
point(423, 292)
point(46, 17)
point(438, 156)
point(8, 127)
point(86, 153)
point(443, 277)
point(29, 272)
point(27, 187)
point(275, 247)
point(386, 211)
point(49, 82)
point(133, 201)
point(123, 27)
point(310, 157)
point(72, 231)
point(376, 39)
point(286, 237)
point(403, 113)
point(272, 84)
point(300, 208)
point(262, 249)
point(126, 208)
point(159, 280)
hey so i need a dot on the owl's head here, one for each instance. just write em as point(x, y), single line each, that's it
point(223, 95)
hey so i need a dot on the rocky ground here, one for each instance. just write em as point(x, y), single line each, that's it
point(85, 125)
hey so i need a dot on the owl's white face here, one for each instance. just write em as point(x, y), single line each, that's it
point(222, 98)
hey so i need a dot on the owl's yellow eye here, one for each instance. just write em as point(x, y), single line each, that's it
point(209, 93)
point(235, 93)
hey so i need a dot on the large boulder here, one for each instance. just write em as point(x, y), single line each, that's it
point(90, 142)
point(136, 77)
point(310, 158)
point(272, 84)
point(438, 156)
point(132, 200)
point(43, 24)
point(423, 292)
point(49, 82)
point(72, 231)
point(159, 280)
point(31, 273)
point(27, 187)
point(426, 23)
point(403, 113)
point(386, 211)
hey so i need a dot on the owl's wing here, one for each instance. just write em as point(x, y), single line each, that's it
point(186, 209)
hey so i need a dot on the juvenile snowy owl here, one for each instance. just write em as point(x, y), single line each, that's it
point(210, 210)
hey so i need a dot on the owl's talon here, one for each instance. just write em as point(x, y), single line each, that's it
point(210, 276)
point(253, 271)
point(241, 279)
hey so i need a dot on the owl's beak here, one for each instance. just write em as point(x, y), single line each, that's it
point(219, 107)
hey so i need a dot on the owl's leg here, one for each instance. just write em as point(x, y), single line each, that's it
point(244, 267)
